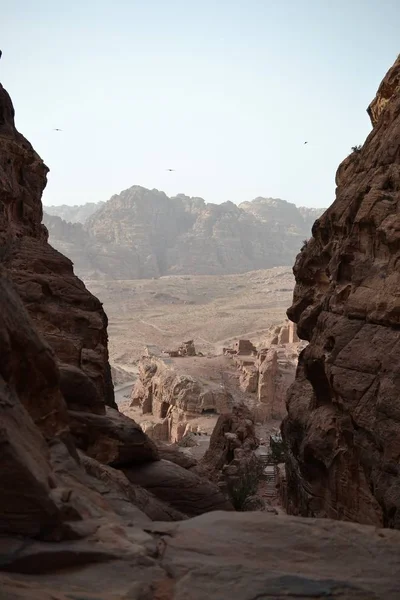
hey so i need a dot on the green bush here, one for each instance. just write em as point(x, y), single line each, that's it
point(277, 449)
point(246, 484)
point(305, 242)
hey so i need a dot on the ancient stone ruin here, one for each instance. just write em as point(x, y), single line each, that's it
point(269, 372)
point(173, 400)
point(185, 349)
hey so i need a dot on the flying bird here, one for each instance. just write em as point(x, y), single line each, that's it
point(55, 129)
point(0, 53)
point(170, 169)
point(305, 142)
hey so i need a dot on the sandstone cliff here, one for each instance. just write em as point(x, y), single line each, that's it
point(343, 426)
point(142, 233)
point(71, 320)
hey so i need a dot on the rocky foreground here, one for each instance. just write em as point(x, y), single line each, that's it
point(90, 507)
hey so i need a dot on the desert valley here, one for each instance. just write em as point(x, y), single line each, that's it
point(216, 299)
point(201, 400)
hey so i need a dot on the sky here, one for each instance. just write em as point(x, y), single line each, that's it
point(225, 92)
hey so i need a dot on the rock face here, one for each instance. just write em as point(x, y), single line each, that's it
point(269, 372)
point(276, 367)
point(232, 445)
point(76, 213)
point(343, 425)
point(142, 233)
point(58, 437)
point(65, 313)
point(174, 399)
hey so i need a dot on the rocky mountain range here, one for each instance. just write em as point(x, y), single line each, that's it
point(143, 233)
point(77, 213)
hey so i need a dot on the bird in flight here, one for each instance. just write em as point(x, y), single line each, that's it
point(0, 53)
point(170, 169)
point(305, 143)
point(55, 129)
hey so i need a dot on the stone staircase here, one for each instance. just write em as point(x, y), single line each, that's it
point(269, 474)
point(270, 478)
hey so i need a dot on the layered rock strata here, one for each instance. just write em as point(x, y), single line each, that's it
point(343, 426)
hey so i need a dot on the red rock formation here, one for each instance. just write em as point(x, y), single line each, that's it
point(71, 320)
point(343, 427)
point(232, 442)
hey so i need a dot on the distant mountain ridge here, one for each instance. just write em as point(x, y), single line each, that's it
point(78, 213)
point(143, 233)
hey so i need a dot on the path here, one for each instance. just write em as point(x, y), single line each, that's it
point(155, 327)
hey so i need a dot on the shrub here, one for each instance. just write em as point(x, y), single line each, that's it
point(305, 242)
point(278, 449)
point(246, 484)
point(356, 148)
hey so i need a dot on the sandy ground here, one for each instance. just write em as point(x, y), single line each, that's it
point(214, 311)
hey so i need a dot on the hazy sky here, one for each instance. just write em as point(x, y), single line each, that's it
point(224, 91)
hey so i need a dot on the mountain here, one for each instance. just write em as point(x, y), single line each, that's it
point(74, 214)
point(143, 233)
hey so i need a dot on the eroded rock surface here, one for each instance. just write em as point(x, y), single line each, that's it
point(71, 320)
point(232, 447)
point(343, 427)
point(268, 373)
point(276, 367)
point(217, 556)
point(174, 398)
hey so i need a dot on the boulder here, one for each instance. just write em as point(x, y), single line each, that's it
point(112, 439)
point(79, 391)
point(232, 446)
point(173, 453)
point(182, 489)
point(128, 500)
